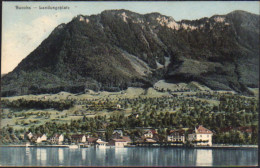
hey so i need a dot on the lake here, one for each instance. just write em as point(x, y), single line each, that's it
point(138, 156)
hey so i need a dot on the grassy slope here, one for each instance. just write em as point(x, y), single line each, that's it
point(94, 96)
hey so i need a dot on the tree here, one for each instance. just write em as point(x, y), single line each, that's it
point(10, 130)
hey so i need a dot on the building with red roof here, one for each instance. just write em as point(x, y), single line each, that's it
point(201, 136)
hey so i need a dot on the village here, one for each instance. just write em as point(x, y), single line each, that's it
point(199, 136)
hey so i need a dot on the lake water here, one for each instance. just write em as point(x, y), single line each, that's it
point(141, 156)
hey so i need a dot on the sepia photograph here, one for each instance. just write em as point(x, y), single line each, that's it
point(129, 84)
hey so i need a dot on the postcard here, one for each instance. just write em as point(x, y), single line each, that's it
point(120, 83)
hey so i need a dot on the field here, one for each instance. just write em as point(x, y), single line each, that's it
point(104, 103)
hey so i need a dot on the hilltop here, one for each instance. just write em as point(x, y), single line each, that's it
point(117, 49)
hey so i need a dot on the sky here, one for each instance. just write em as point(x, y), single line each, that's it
point(23, 30)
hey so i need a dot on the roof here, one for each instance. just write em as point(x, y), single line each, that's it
point(126, 138)
point(36, 136)
point(118, 131)
point(92, 139)
point(190, 131)
point(245, 129)
point(153, 131)
point(177, 132)
point(119, 140)
point(56, 135)
point(150, 140)
point(202, 130)
point(101, 142)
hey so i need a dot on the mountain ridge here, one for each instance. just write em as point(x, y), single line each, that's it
point(117, 49)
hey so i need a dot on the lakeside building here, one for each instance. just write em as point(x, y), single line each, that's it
point(44, 137)
point(28, 135)
point(57, 139)
point(201, 136)
point(91, 141)
point(150, 133)
point(127, 139)
point(176, 136)
point(118, 143)
point(78, 138)
point(36, 139)
point(100, 144)
point(39, 138)
point(117, 134)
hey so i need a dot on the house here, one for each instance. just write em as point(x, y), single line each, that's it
point(118, 143)
point(43, 137)
point(201, 136)
point(118, 106)
point(28, 135)
point(119, 132)
point(36, 138)
point(100, 144)
point(126, 138)
point(78, 138)
point(57, 139)
point(91, 140)
point(176, 136)
point(150, 133)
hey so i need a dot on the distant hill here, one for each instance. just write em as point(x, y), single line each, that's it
point(118, 49)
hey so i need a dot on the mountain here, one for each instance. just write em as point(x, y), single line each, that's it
point(119, 48)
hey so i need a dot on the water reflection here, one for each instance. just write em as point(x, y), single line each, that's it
point(120, 153)
point(61, 156)
point(83, 154)
point(41, 155)
point(204, 157)
point(13, 156)
point(28, 154)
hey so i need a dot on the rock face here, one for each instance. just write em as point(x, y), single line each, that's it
point(118, 49)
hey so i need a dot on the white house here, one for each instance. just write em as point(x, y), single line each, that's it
point(149, 133)
point(57, 139)
point(118, 143)
point(29, 135)
point(118, 106)
point(176, 136)
point(100, 144)
point(44, 137)
point(201, 136)
point(37, 138)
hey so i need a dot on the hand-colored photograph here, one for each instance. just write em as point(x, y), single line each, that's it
point(150, 84)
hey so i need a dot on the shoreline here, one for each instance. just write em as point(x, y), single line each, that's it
point(194, 147)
